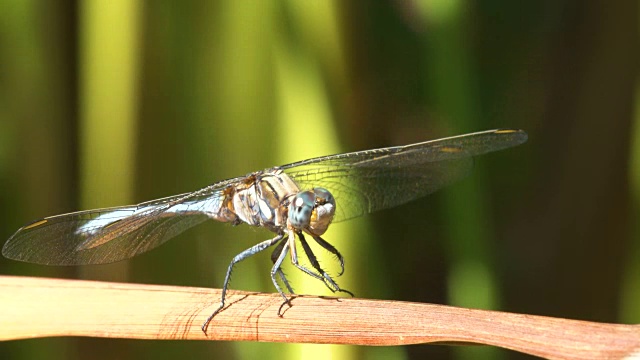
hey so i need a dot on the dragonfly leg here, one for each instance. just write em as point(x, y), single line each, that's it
point(294, 261)
point(330, 248)
point(274, 257)
point(276, 269)
point(326, 278)
point(243, 255)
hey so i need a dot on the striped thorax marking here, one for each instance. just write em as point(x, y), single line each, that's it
point(260, 201)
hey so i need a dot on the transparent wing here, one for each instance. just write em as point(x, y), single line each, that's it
point(111, 234)
point(361, 182)
point(366, 181)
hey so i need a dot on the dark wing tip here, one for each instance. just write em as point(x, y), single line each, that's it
point(517, 136)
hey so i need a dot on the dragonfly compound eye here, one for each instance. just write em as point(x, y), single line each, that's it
point(324, 209)
point(300, 209)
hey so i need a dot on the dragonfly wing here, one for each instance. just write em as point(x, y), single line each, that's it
point(112, 234)
point(363, 189)
point(371, 180)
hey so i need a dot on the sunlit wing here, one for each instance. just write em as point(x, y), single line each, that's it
point(366, 181)
point(361, 182)
point(111, 234)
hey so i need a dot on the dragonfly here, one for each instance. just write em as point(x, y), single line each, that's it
point(293, 201)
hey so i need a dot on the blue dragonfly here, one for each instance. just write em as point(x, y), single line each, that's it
point(293, 201)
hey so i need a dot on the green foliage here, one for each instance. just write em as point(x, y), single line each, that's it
point(118, 102)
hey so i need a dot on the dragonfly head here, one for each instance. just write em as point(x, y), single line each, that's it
point(312, 211)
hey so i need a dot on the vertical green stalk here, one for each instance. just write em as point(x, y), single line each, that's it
point(471, 280)
point(301, 96)
point(108, 99)
point(109, 44)
point(232, 130)
point(630, 294)
point(305, 122)
point(35, 147)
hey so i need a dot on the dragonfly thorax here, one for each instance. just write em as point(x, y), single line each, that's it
point(312, 211)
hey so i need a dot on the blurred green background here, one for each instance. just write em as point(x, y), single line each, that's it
point(106, 103)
